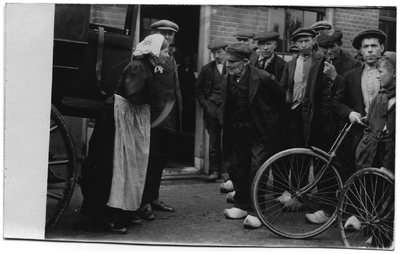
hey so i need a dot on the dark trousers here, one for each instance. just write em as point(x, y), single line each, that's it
point(281, 179)
point(214, 129)
point(160, 144)
point(248, 154)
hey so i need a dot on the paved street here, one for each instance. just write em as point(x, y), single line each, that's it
point(198, 220)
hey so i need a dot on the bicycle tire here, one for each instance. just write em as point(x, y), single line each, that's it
point(375, 219)
point(62, 169)
point(284, 220)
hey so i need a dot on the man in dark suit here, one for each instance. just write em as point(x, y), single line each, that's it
point(320, 125)
point(268, 60)
point(250, 112)
point(323, 80)
point(353, 96)
point(357, 89)
point(166, 122)
point(208, 93)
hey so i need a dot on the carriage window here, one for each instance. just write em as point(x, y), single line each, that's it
point(110, 16)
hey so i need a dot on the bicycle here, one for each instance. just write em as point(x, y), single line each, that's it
point(368, 200)
point(310, 181)
point(313, 184)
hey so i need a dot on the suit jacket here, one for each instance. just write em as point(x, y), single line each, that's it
point(278, 62)
point(349, 98)
point(266, 98)
point(344, 64)
point(287, 80)
point(205, 82)
point(166, 98)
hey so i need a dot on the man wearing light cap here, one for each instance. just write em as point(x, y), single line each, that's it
point(268, 60)
point(246, 37)
point(320, 125)
point(321, 27)
point(208, 94)
point(166, 122)
point(355, 93)
point(252, 101)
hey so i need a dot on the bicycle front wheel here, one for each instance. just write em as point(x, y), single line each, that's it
point(283, 198)
point(366, 209)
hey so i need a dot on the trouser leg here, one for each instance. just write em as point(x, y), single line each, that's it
point(214, 130)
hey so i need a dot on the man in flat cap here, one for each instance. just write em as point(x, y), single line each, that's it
point(294, 80)
point(294, 50)
point(166, 122)
point(246, 37)
point(355, 93)
point(320, 125)
point(208, 93)
point(252, 101)
point(268, 60)
point(321, 27)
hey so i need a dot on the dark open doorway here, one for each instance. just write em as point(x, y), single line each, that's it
point(186, 51)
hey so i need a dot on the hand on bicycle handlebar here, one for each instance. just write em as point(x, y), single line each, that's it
point(356, 117)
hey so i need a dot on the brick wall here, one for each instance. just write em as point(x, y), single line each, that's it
point(351, 21)
point(227, 20)
point(108, 15)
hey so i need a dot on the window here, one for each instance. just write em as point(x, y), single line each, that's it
point(387, 23)
point(287, 20)
point(110, 16)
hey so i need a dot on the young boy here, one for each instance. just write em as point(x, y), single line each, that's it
point(377, 147)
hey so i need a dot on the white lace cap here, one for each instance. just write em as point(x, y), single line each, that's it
point(150, 45)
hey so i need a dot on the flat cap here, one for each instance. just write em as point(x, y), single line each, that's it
point(294, 49)
point(391, 56)
point(320, 25)
point(164, 25)
point(328, 39)
point(214, 45)
point(238, 51)
point(303, 31)
point(368, 33)
point(267, 36)
point(243, 34)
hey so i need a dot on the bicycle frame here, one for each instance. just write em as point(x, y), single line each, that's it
point(331, 155)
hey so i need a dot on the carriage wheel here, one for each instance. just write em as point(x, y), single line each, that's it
point(62, 169)
point(282, 201)
point(366, 209)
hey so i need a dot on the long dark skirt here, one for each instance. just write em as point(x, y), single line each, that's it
point(97, 170)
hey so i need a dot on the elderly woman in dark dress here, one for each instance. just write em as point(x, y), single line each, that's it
point(114, 172)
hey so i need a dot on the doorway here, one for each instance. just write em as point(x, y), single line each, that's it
point(185, 46)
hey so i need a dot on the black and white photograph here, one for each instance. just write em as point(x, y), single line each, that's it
point(153, 126)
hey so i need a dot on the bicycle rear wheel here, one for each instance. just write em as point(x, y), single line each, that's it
point(279, 198)
point(367, 205)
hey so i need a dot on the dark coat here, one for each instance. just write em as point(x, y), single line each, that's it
point(349, 98)
point(375, 142)
point(278, 61)
point(287, 80)
point(344, 64)
point(266, 99)
point(205, 82)
point(166, 93)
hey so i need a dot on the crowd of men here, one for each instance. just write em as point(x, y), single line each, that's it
point(260, 104)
